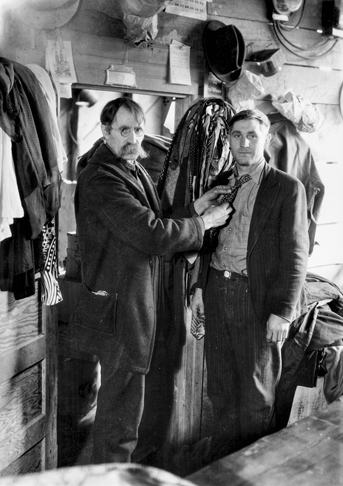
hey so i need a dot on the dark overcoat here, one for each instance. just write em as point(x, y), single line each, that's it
point(122, 236)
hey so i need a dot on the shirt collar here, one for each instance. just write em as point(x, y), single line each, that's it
point(257, 170)
point(129, 165)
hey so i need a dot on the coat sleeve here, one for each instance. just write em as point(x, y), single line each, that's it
point(293, 252)
point(111, 202)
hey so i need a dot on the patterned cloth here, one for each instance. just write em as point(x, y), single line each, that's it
point(199, 152)
point(239, 182)
point(198, 326)
point(51, 293)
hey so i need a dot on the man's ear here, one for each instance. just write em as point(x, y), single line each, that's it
point(105, 131)
point(267, 141)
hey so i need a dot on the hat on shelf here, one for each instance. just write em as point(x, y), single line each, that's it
point(224, 50)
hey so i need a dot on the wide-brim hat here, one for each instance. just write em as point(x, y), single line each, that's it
point(224, 50)
point(46, 14)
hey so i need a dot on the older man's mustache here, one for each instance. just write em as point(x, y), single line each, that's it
point(133, 148)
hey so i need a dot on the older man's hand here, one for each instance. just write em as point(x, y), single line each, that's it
point(210, 198)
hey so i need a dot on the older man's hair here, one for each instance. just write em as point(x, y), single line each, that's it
point(111, 108)
point(250, 115)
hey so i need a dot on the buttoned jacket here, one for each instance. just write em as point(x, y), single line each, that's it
point(278, 245)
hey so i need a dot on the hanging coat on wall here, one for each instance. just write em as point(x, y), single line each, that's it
point(23, 116)
point(289, 152)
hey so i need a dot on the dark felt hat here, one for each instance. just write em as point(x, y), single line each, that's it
point(224, 50)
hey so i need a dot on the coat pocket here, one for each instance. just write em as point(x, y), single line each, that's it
point(96, 311)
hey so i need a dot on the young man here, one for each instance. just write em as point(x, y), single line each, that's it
point(251, 288)
point(122, 237)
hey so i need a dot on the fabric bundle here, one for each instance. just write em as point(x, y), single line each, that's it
point(199, 152)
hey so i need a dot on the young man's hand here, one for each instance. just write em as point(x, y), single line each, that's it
point(277, 329)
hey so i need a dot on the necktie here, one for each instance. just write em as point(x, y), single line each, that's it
point(239, 182)
point(136, 174)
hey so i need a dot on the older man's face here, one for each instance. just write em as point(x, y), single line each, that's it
point(248, 138)
point(128, 148)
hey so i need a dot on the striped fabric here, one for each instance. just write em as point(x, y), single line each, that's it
point(51, 293)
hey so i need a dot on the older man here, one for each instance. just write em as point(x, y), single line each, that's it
point(249, 292)
point(122, 236)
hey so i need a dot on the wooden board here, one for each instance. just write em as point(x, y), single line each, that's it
point(307, 453)
point(28, 384)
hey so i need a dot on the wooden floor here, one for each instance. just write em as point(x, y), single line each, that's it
point(307, 453)
point(75, 434)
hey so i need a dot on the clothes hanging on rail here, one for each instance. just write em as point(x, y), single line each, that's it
point(10, 203)
point(50, 92)
point(25, 116)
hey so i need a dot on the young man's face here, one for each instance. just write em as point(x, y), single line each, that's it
point(248, 138)
point(128, 148)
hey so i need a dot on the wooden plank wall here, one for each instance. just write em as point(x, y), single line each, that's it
point(97, 42)
point(28, 385)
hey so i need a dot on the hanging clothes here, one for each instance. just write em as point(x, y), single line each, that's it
point(50, 92)
point(289, 152)
point(24, 116)
point(10, 203)
point(198, 153)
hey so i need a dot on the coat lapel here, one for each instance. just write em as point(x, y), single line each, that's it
point(148, 192)
point(264, 204)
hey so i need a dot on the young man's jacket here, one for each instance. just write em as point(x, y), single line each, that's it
point(122, 236)
point(278, 245)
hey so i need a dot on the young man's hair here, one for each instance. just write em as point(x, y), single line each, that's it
point(109, 111)
point(250, 115)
